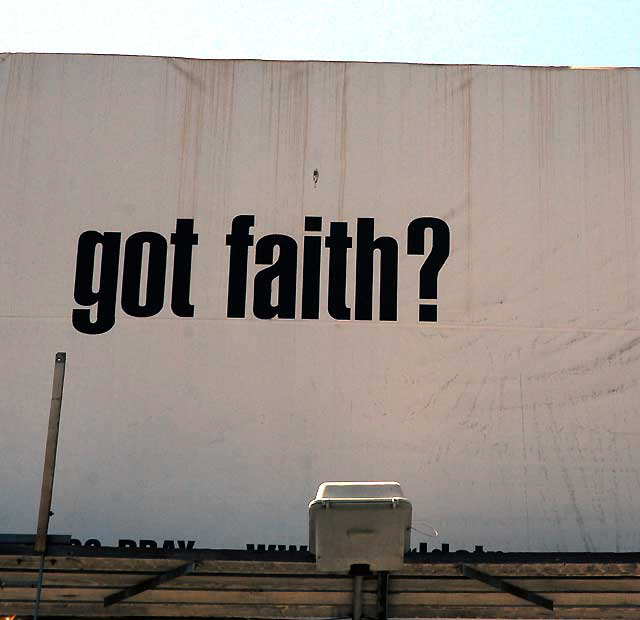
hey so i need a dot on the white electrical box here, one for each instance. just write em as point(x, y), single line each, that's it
point(359, 523)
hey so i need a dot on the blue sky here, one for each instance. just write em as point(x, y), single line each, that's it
point(524, 32)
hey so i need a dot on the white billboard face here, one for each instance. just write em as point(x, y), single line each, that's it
point(267, 275)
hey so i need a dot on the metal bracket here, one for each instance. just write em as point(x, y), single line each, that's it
point(504, 586)
point(149, 584)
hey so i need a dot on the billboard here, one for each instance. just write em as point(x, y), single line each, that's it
point(267, 275)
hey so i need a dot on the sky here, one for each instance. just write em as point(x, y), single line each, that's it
point(521, 32)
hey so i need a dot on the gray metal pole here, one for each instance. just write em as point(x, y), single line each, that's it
point(383, 595)
point(36, 610)
point(357, 596)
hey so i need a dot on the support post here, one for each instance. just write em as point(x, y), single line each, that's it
point(46, 493)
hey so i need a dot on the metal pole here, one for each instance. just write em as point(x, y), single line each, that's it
point(46, 493)
point(383, 595)
point(50, 453)
point(357, 597)
point(36, 611)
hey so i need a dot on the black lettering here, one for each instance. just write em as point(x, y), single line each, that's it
point(338, 243)
point(311, 269)
point(127, 543)
point(284, 269)
point(105, 296)
point(239, 241)
point(440, 248)
point(132, 274)
point(148, 544)
point(92, 542)
point(388, 248)
point(184, 239)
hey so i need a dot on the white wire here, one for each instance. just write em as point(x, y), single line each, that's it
point(435, 531)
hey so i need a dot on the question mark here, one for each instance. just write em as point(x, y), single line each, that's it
point(433, 263)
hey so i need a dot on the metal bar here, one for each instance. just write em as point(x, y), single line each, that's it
point(149, 584)
point(357, 596)
point(36, 609)
point(383, 595)
point(46, 493)
point(504, 586)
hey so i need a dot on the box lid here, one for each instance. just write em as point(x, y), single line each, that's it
point(359, 490)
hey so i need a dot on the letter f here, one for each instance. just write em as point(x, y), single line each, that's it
point(239, 241)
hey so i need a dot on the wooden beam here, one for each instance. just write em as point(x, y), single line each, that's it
point(82, 610)
point(312, 583)
point(159, 597)
point(67, 559)
point(530, 612)
point(149, 584)
point(125, 610)
point(195, 581)
point(79, 559)
point(46, 493)
point(166, 596)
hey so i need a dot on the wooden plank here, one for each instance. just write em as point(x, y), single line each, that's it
point(483, 599)
point(75, 578)
point(312, 583)
point(596, 584)
point(188, 597)
point(607, 584)
point(333, 597)
point(83, 610)
point(156, 565)
point(208, 611)
point(161, 564)
point(532, 612)
point(529, 569)
point(46, 492)
point(618, 599)
point(318, 582)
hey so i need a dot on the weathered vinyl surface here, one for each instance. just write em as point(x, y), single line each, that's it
point(511, 422)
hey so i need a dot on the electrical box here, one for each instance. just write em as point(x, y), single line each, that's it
point(359, 523)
